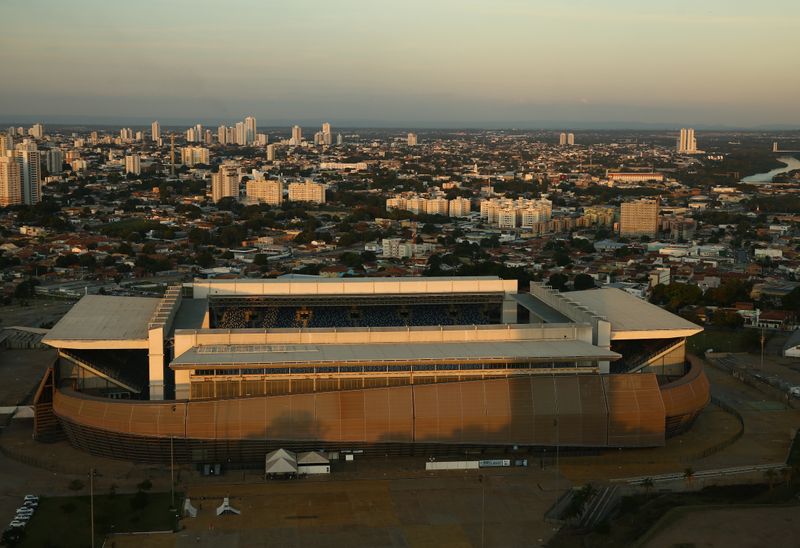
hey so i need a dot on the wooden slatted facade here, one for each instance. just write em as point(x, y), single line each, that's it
point(570, 411)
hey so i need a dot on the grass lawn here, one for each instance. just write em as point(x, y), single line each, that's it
point(725, 340)
point(65, 521)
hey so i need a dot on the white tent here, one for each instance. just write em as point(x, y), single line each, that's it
point(312, 457)
point(281, 454)
point(281, 466)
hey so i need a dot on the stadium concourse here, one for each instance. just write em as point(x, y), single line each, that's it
point(225, 370)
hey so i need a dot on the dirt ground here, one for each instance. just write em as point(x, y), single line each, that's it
point(445, 509)
point(439, 510)
point(776, 527)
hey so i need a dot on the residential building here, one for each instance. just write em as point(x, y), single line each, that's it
point(460, 207)
point(191, 156)
point(30, 161)
point(225, 183)
point(133, 164)
point(639, 218)
point(307, 191)
point(250, 130)
point(36, 131)
point(297, 135)
point(411, 139)
point(155, 132)
point(508, 213)
point(10, 181)
point(687, 144)
point(268, 191)
point(398, 248)
point(54, 161)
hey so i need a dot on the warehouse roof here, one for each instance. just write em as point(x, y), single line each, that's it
point(631, 317)
point(539, 350)
point(116, 322)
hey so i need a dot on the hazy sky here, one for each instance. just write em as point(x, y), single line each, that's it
point(507, 63)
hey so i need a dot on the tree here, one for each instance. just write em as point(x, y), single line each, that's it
point(792, 300)
point(368, 256)
point(583, 281)
point(139, 500)
point(350, 259)
point(25, 289)
point(676, 295)
point(727, 318)
point(558, 281)
point(562, 258)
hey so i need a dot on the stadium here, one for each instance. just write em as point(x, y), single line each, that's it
point(225, 370)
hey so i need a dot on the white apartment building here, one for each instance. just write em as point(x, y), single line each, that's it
point(191, 156)
point(460, 207)
point(225, 183)
point(10, 181)
point(250, 130)
point(133, 164)
point(352, 166)
point(267, 191)
point(307, 191)
point(687, 144)
point(508, 213)
point(437, 206)
point(297, 135)
point(30, 161)
point(398, 248)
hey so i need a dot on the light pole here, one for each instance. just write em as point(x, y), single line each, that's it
point(483, 510)
point(91, 502)
point(172, 470)
point(762, 348)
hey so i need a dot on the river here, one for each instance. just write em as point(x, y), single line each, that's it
point(791, 162)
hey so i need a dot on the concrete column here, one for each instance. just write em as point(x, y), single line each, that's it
point(156, 360)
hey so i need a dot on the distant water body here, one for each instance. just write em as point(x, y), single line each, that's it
point(791, 162)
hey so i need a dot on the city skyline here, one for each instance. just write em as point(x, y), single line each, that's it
point(522, 65)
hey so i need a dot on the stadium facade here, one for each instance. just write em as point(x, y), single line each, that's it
point(225, 370)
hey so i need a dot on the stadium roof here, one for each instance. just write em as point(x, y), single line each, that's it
point(631, 317)
point(351, 286)
point(325, 279)
point(191, 314)
point(538, 309)
point(103, 321)
point(535, 350)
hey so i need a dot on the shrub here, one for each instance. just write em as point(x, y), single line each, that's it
point(139, 500)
